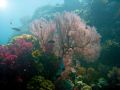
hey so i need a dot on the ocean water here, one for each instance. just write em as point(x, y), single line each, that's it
point(60, 44)
point(14, 11)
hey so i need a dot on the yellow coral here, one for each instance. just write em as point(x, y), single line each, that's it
point(26, 37)
point(92, 74)
point(86, 87)
point(90, 70)
point(36, 53)
point(81, 71)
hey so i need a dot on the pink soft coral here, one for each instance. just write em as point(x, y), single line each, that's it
point(21, 46)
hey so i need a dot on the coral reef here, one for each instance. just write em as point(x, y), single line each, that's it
point(53, 56)
point(69, 35)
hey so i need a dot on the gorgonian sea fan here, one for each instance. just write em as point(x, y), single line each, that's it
point(43, 30)
point(76, 36)
point(70, 34)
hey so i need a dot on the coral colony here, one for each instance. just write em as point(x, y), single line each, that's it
point(50, 57)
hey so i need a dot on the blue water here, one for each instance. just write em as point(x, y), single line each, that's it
point(15, 10)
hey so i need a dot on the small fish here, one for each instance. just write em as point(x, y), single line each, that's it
point(41, 26)
point(16, 29)
point(10, 23)
point(51, 41)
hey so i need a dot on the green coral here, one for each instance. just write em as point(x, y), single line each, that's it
point(102, 82)
point(51, 64)
point(114, 74)
point(40, 83)
point(111, 43)
point(86, 87)
point(38, 67)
